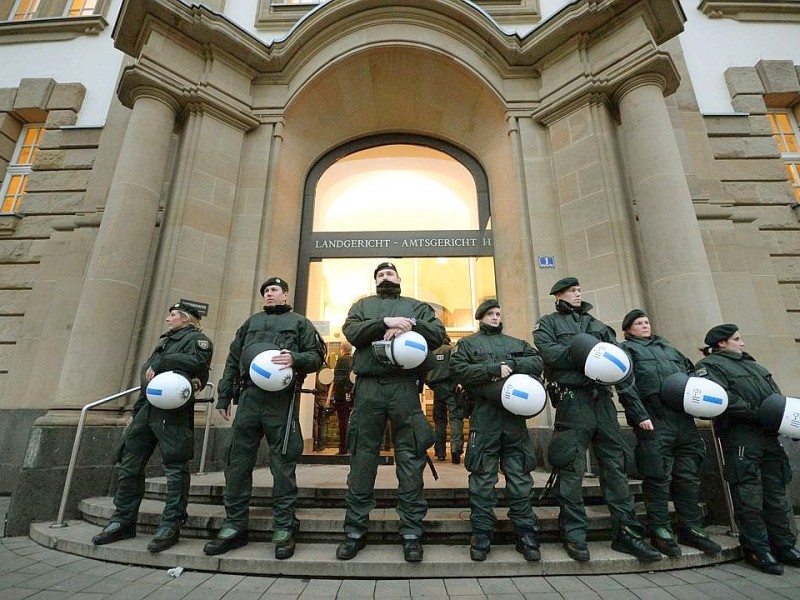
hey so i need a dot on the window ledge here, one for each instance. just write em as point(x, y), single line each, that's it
point(752, 10)
point(8, 224)
point(49, 30)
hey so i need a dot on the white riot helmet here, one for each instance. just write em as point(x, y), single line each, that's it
point(781, 414)
point(269, 376)
point(407, 350)
point(602, 361)
point(696, 396)
point(168, 390)
point(523, 395)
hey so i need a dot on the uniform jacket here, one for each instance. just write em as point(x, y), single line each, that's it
point(440, 373)
point(275, 325)
point(553, 335)
point(364, 325)
point(185, 350)
point(747, 384)
point(653, 360)
point(477, 359)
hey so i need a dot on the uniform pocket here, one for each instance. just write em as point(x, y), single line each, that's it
point(478, 460)
point(177, 443)
point(423, 434)
point(649, 458)
point(563, 448)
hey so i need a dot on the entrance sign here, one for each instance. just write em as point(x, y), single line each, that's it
point(400, 243)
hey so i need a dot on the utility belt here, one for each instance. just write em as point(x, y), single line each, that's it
point(389, 379)
point(557, 391)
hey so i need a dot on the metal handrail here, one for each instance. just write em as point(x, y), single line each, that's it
point(73, 459)
point(726, 488)
point(76, 446)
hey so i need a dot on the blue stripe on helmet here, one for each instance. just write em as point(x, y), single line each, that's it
point(261, 371)
point(520, 393)
point(416, 345)
point(712, 399)
point(616, 361)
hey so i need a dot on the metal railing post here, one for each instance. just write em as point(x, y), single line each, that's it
point(734, 531)
point(76, 446)
point(209, 412)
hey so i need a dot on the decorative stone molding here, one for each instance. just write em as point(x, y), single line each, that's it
point(50, 30)
point(8, 224)
point(752, 10)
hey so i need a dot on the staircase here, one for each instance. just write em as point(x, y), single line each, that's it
point(321, 512)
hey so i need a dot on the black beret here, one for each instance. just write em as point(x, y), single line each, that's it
point(720, 333)
point(485, 306)
point(631, 317)
point(382, 266)
point(274, 281)
point(563, 284)
point(187, 308)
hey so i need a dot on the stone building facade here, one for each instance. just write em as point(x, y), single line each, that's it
point(583, 116)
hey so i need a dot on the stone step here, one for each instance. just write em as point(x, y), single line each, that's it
point(376, 561)
point(326, 485)
point(442, 525)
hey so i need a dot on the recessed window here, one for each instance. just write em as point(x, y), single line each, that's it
point(81, 8)
point(26, 9)
point(20, 168)
point(787, 136)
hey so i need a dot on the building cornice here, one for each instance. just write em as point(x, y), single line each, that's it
point(50, 30)
point(752, 10)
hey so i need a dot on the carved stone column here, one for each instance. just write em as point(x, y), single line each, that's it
point(677, 276)
point(103, 329)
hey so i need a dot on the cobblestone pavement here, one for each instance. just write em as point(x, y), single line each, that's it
point(33, 572)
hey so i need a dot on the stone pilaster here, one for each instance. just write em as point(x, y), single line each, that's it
point(103, 329)
point(677, 275)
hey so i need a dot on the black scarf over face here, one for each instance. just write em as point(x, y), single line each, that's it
point(388, 289)
point(278, 309)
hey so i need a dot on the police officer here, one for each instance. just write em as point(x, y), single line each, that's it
point(443, 386)
point(263, 413)
point(669, 449)
point(497, 437)
point(184, 349)
point(341, 393)
point(585, 414)
point(756, 466)
point(384, 393)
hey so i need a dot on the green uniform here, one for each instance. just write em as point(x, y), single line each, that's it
point(186, 351)
point(386, 392)
point(756, 466)
point(497, 437)
point(585, 415)
point(443, 386)
point(262, 413)
point(669, 457)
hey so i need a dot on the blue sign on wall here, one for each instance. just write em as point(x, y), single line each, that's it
point(547, 262)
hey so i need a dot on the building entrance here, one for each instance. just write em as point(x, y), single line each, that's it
point(415, 201)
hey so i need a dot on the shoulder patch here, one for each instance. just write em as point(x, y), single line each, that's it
point(203, 344)
point(701, 372)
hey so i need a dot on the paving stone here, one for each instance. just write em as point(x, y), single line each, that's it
point(252, 584)
point(691, 576)
point(76, 583)
point(633, 581)
point(501, 585)
point(50, 595)
point(568, 585)
point(16, 594)
point(687, 592)
point(319, 589)
point(395, 588)
point(662, 579)
point(357, 588)
point(601, 582)
point(136, 591)
point(203, 593)
point(544, 596)
point(288, 586)
point(425, 587)
point(716, 589)
point(465, 587)
point(621, 594)
point(653, 594)
point(132, 573)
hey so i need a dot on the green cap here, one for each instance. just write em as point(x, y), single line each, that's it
point(563, 284)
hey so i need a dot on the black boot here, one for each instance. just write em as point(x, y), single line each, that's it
point(456, 458)
point(350, 547)
point(114, 532)
point(696, 537)
point(528, 546)
point(284, 544)
point(166, 536)
point(480, 544)
point(788, 556)
point(227, 539)
point(577, 551)
point(663, 541)
point(412, 549)
point(629, 543)
point(763, 561)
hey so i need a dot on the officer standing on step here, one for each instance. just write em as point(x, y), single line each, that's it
point(756, 466)
point(443, 387)
point(184, 349)
point(261, 413)
point(384, 393)
point(669, 449)
point(497, 437)
point(585, 414)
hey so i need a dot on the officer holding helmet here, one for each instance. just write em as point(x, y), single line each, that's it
point(265, 414)
point(756, 466)
point(585, 414)
point(187, 351)
point(669, 449)
point(387, 392)
point(497, 437)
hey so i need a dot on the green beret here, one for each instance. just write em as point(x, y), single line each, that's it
point(274, 281)
point(720, 333)
point(186, 308)
point(485, 306)
point(563, 284)
point(382, 266)
point(631, 317)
